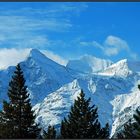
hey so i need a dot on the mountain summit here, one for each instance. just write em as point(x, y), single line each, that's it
point(42, 75)
point(35, 52)
point(41, 58)
point(123, 68)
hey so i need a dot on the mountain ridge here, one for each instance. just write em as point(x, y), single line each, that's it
point(50, 84)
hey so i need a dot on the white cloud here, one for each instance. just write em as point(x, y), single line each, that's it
point(50, 10)
point(97, 45)
point(25, 25)
point(55, 57)
point(112, 46)
point(111, 51)
point(19, 24)
point(11, 57)
point(75, 8)
point(93, 43)
point(116, 41)
point(30, 27)
point(54, 17)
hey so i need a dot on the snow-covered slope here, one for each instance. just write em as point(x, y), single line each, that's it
point(42, 75)
point(122, 68)
point(108, 93)
point(56, 105)
point(124, 107)
point(89, 64)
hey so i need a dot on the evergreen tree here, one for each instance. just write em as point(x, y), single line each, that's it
point(82, 121)
point(131, 130)
point(105, 131)
point(18, 118)
point(127, 132)
point(2, 132)
point(139, 87)
point(137, 123)
point(50, 134)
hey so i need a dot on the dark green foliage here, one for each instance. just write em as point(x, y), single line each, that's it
point(127, 132)
point(2, 132)
point(137, 123)
point(82, 121)
point(139, 87)
point(131, 130)
point(17, 115)
point(120, 135)
point(50, 134)
point(105, 131)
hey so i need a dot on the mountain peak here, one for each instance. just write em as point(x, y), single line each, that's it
point(123, 68)
point(41, 58)
point(36, 53)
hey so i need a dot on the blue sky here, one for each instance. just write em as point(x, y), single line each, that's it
point(68, 30)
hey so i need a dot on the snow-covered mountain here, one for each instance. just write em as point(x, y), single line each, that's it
point(53, 87)
point(89, 64)
point(108, 93)
point(56, 105)
point(42, 75)
point(122, 68)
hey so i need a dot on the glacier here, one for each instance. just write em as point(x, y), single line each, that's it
point(53, 87)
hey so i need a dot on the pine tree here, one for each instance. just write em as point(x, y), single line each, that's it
point(139, 87)
point(131, 130)
point(105, 131)
point(50, 134)
point(127, 132)
point(137, 123)
point(17, 115)
point(82, 121)
point(2, 132)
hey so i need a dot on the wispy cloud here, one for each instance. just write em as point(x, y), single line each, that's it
point(18, 31)
point(112, 46)
point(59, 9)
point(10, 57)
point(22, 24)
point(55, 57)
point(65, 8)
point(93, 43)
point(54, 17)
point(32, 25)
